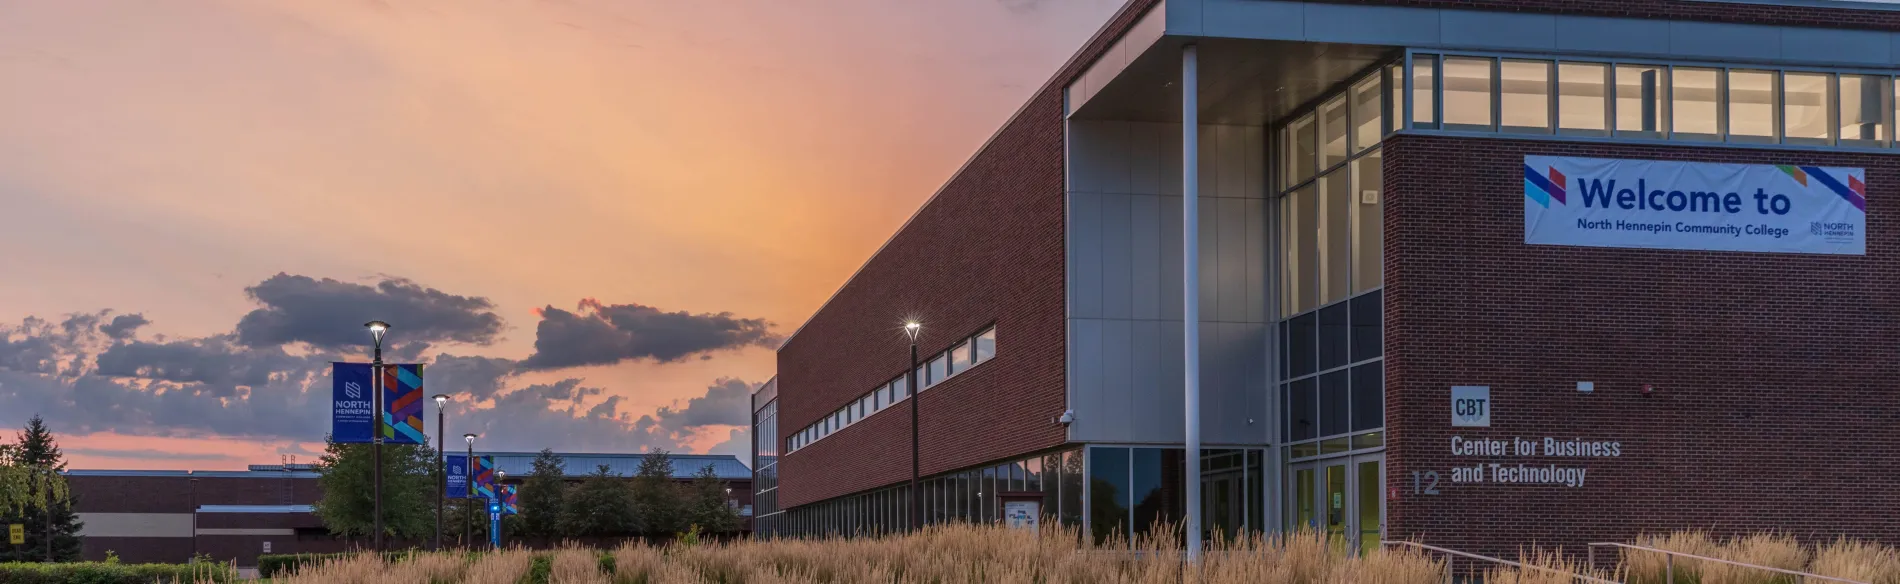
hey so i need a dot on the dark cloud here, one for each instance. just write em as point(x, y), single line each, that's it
point(38, 345)
point(477, 378)
point(1022, 6)
point(599, 334)
point(214, 363)
point(728, 402)
point(329, 313)
point(124, 326)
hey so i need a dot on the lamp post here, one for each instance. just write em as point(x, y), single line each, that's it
point(468, 513)
point(376, 330)
point(442, 473)
point(912, 328)
point(499, 507)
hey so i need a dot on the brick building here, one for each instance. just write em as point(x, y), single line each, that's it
point(167, 516)
point(1420, 314)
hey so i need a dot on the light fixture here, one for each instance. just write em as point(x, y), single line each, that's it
point(912, 328)
point(470, 438)
point(376, 330)
point(441, 399)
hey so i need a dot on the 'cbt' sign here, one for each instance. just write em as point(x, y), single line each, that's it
point(1471, 406)
point(1695, 206)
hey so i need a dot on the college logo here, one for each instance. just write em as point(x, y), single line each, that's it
point(1471, 406)
point(1544, 188)
point(351, 389)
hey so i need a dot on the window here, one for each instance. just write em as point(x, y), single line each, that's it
point(939, 370)
point(1583, 99)
point(1299, 268)
point(1468, 94)
point(1366, 114)
point(1863, 110)
point(1332, 128)
point(1804, 112)
point(1639, 102)
point(1752, 110)
point(877, 398)
point(1368, 233)
point(1368, 397)
point(1335, 236)
point(900, 389)
point(1334, 343)
point(986, 345)
point(1524, 96)
point(960, 357)
point(1300, 151)
point(1425, 91)
point(1695, 112)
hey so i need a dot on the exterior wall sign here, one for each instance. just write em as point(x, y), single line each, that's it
point(1471, 406)
point(1022, 514)
point(1653, 204)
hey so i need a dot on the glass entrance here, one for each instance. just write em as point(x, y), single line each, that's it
point(1342, 499)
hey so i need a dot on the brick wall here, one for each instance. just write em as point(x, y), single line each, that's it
point(1773, 406)
point(988, 248)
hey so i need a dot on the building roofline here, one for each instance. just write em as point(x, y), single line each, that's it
point(1064, 75)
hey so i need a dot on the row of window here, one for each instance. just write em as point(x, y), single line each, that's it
point(1655, 101)
point(967, 496)
point(966, 354)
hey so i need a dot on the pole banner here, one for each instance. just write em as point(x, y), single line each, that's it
point(402, 403)
point(1655, 204)
point(458, 475)
point(485, 477)
point(352, 403)
point(508, 500)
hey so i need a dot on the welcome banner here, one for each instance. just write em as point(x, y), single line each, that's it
point(1656, 204)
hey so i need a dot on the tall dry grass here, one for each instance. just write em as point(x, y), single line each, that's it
point(972, 554)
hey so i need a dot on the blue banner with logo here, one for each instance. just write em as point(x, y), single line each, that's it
point(458, 475)
point(352, 403)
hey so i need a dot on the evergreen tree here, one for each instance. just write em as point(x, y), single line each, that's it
point(600, 506)
point(657, 496)
point(706, 503)
point(348, 504)
point(544, 496)
point(36, 460)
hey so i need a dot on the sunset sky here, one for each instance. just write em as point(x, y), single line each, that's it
point(594, 218)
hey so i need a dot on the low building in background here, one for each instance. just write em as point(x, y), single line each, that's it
point(168, 516)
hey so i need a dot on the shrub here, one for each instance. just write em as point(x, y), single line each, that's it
point(104, 573)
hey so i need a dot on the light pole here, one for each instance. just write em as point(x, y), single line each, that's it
point(501, 476)
point(376, 330)
point(442, 473)
point(912, 328)
point(468, 516)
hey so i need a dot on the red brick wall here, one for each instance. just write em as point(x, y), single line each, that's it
point(1740, 13)
point(1773, 407)
point(988, 249)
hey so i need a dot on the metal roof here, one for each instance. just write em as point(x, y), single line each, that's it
point(196, 474)
point(726, 466)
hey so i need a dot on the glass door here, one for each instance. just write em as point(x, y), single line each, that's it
point(1341, 499)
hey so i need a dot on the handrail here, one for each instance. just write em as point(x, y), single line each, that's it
point(1671, 565)
point(1591, 579)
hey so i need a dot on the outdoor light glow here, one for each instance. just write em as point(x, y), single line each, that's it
point(469, 437)
point(376, 330)
point(912, 328)
point(441, 399)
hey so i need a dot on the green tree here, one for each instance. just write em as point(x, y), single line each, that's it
point(348, 504)
point(31, 469)
point(600, 506)
point(656, 495)
point(544, 496)
point(706, 503)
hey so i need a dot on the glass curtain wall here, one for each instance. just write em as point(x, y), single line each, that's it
point(766, 516)
point(964, 496)
point(1330, 382)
